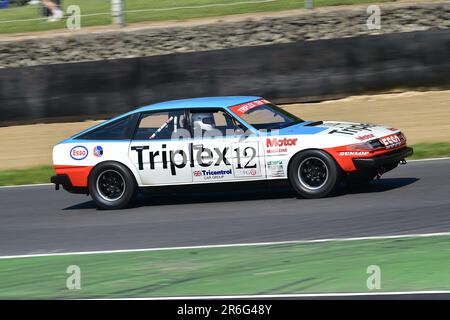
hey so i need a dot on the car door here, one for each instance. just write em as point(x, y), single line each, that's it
point(248, 155)
point(159, 149)
point(223, 152)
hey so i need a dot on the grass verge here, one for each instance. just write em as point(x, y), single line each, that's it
point(406, 264)
point(42, 174)
point(431, 150)
point(21, 15)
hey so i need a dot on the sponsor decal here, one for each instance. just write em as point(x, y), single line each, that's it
point(352, 129)
point(98, 151)
point(275, 142)
point(178, 159)
point(275, 168)
point(240, 109)
point(245, 158)
point(353, 153)
point(216, 172)
point(197, 173)
point(212, 174)
point(79, 153)
point(247, 173)
point(392, 129)
point(391, 141)
point(281, 150)
point(278, 145)
point(365, 137)
point(271, 163)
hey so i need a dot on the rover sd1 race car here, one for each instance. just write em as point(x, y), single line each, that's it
point(217, 140)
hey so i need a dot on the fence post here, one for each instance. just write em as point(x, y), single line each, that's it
point(118, 17)
point(309, 4)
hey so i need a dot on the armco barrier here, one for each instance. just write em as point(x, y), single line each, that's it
point(299, 71)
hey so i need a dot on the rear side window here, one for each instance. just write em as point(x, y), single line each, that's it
point(121, 129)
point(160, 125)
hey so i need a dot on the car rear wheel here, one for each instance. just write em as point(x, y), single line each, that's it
point(112, 186)
point(313, 174)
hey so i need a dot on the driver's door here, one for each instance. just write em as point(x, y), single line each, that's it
point(158, 154)
point(231, 154)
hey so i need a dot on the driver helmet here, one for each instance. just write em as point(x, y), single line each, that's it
point(204, 121)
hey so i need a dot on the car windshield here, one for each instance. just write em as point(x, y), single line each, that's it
point(263, 115)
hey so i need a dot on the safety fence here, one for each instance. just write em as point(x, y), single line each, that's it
point(301, 71)
point(32, 15)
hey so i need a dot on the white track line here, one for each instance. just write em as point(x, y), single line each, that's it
point(51, 184)
point(292, 295)
point(232, 245)
point(429, 159)
point(27, 185)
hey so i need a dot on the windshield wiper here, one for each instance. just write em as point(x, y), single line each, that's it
point(290, 124)
point(313, 124)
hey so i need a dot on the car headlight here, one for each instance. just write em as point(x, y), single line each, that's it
point(364, 146)
point(402, 137)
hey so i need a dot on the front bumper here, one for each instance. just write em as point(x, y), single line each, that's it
point(385, 160)
point(64, 181)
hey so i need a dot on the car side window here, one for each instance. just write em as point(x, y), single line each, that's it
point(160, 125)
point(208, 121)
point(120, 129)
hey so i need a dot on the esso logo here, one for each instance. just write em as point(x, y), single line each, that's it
point(391, 141)
point(78, 153)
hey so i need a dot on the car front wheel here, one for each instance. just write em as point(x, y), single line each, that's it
point(313, 174)
point(112, 186)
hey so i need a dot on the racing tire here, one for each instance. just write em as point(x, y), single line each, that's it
point(313, 174)
point(112, 186)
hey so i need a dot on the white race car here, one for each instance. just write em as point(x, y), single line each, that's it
point(221, 139)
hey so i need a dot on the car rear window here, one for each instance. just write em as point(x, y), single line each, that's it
point(121, 129)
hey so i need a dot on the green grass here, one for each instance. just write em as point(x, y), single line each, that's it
point(39, 174)
point(104, 6)
point(431, 150)
point(42, 174)
point(406, 264)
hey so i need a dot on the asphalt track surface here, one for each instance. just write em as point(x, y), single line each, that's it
point(414, 198)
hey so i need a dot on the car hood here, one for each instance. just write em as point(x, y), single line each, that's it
point(353, 131)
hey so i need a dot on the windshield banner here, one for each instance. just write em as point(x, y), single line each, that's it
point(240, 109)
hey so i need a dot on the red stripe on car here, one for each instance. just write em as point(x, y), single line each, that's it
point(78, 175)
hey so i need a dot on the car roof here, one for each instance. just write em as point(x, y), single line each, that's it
point(207, 102)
